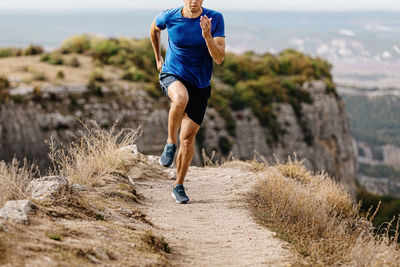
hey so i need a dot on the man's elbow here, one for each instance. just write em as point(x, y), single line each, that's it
point(220, 60)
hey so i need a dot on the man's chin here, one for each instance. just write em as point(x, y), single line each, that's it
point(195, 9)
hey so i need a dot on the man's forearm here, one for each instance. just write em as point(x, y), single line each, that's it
point(156, 42)
point(217, 51)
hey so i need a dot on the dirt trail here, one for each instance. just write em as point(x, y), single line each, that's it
point(216, 228)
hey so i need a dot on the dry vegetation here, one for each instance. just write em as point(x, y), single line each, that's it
point(95, 154)
point(14, 178)
point(94, 224)
point(320, 219)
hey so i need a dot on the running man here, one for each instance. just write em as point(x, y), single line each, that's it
point(196, 39)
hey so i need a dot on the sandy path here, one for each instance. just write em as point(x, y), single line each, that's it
point(216, 228)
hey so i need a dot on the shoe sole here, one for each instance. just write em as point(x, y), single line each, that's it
point(166, 166)
point(173, 196)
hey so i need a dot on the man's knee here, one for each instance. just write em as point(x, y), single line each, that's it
point(188, 141)
point(180, 101)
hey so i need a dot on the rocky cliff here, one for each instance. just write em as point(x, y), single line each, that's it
point(32, 117)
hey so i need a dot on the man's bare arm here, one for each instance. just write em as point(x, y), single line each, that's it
point(155, 35)
point(216, 45)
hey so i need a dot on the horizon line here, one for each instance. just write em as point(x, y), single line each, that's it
point(222, 9)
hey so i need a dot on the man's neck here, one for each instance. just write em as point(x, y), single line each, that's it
point(188, 14)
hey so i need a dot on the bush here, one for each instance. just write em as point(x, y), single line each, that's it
point(10, 52)
point(54, 58)
point(37, 75)
point(75, 44)
point(60, 75)
point(224, 145)
point(74, 62)
point(104, 49)
point(4, 83)
point(33, 50)
point(97, 75)
point(94, 88)
point(135, 74)
point(45, 57)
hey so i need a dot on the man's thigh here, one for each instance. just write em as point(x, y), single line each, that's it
point(178, 92)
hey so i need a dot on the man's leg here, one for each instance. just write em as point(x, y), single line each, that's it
point(186, 150)
point(178, 94)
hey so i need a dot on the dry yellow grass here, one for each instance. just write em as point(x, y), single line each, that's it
point(319, 217)
point(98, 226)
point(14, 178)
point(95, 153)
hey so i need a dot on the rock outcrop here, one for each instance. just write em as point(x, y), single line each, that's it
point(331, 147)
point(24, 125)
point(17, 211)
point(48, 187)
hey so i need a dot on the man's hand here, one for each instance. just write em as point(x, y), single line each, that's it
point(205, 24)
point(160, 63)
point(216, 46)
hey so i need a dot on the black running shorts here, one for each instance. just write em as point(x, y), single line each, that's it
point(198, 98)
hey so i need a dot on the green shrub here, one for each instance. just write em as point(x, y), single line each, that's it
point(94, 88)
point(75, 44)
point(45, 57)
point(33, 50)
point(56, 59)
point(10, 52)
point(135, 74)
point(224, 145)
point(4, 84)
point(104, 49)
point(60, 75)
point(36, 74)
point(74, 62)
point(220, 101)
point(97, 75)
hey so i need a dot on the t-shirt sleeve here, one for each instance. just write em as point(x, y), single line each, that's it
point(161, 19)
point(219, 30)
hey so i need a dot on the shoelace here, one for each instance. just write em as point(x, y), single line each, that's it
point(169, 152)
point(180, 190)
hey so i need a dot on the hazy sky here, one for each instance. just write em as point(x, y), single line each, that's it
point(301, 5)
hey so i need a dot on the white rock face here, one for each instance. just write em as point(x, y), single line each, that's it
point(47, 187)
point(17, 211)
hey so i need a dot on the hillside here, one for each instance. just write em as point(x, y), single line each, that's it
point(274, 105)
point(108, 204)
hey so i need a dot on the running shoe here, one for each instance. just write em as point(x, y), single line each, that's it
point(167, 157)
point(178, 193)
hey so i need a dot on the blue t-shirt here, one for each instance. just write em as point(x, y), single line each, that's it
point(187, 54)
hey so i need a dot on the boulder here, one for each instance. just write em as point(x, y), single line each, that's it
point(47, 187)
point(17, 211)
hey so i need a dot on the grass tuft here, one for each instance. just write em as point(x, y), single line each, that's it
point(320, 219)
point(95, 153)
point(54, 236)
point(14, 179)
point(155, 242)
